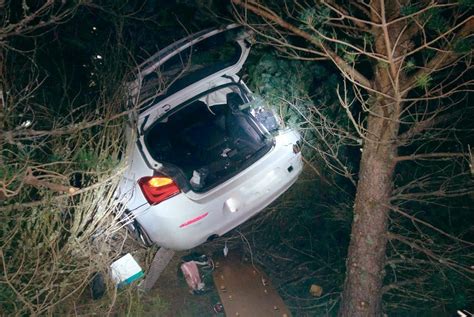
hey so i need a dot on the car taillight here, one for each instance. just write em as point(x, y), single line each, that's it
point(157, 188)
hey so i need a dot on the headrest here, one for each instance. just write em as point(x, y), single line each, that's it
point(234, 101)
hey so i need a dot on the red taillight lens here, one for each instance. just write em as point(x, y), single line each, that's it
point(157, 188)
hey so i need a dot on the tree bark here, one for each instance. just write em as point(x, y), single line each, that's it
point(362, 294)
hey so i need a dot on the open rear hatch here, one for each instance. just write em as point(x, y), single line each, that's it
point(206, 53)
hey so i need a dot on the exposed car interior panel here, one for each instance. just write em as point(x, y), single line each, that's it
point(208, 144)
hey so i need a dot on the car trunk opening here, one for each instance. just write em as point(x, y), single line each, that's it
point(207, 140)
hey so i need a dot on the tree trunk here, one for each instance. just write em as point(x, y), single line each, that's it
point(362, 294)
point(366, 257)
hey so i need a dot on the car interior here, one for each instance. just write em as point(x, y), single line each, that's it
point(209, 143)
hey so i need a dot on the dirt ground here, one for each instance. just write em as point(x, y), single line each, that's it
point(173, 290)
point(245, 293)
point(169, 297)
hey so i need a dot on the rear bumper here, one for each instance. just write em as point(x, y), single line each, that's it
point(188, 220)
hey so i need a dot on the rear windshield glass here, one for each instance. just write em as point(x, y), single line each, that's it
point(192, 64)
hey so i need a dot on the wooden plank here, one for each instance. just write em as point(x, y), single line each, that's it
point(160, 261)
point(245, 290)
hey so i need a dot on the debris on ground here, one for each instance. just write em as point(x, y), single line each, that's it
point(316, 290)
point(97, 286)
point(190, 267)
point(160, 261)
point(125, 270)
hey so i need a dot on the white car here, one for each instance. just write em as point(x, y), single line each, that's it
point(208, 155)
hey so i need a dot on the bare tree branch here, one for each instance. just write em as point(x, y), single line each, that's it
point(269, 15)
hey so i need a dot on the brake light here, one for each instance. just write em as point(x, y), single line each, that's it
point(157, 188)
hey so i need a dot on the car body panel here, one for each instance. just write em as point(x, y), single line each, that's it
point(251, 190)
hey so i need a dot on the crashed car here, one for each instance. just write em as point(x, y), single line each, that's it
point(207, 154)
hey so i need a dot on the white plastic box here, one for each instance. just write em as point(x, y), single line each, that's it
point(125, 270)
